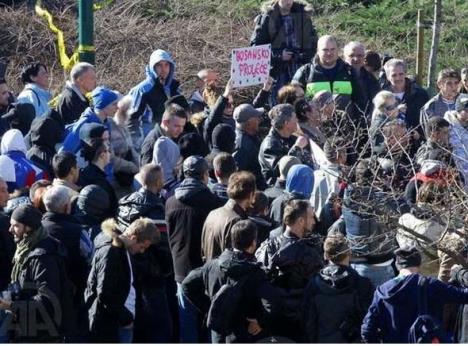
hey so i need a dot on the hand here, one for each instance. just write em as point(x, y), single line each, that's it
point(268, 84)
point(5, 305)
point(286, 55)
point(253, 328)
point(228, 89)
point(301, 142)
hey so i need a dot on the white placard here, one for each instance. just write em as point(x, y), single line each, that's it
point(250, 65)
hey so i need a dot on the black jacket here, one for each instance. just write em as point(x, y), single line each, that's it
point(148, 145)
point(215, 118)
point(269, 29)
point(68, 230)
point(141, 203)
point(369, 86)
point(92, 174)
point(335, 302)
point(415, 98)
point(70, 105)
point(290, 263)
point(245, 153)
point(108, 288)
point(186, 212)
point(7, 250)
point(260, 299)
point(46, 132)
point(276, 190)
point(272, 149)
point(44, 287)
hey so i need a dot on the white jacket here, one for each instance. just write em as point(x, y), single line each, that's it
point(459, 142)
point(326, 181)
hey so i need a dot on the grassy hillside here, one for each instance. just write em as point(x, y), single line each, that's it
point(202, 33)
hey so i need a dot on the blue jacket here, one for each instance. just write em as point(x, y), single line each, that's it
point(150, 94)
point(36, 96)
point(394, 307)
point(72, 140)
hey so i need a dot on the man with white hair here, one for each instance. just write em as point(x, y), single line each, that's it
point(73, 101)
point(327, 71)
point(59, 224)
point(354, 53)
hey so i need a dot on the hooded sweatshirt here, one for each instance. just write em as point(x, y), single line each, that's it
point(37, 96)
point(15, 168)
point(149, 96)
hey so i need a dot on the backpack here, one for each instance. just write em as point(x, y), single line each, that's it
point(426, 329)
point(225, 306)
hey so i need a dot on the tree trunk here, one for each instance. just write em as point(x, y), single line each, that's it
point(431, 75)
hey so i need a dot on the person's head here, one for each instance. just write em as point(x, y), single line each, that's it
point(122, 115)
point(4, 196)
point(461, 106)
point(395, 70)
point(244, 236)
point(196, 167)
point(307, 112)
point(290, 93)
point(285, 6)
point(363, 172)
point(248, 118)
point(299, 217)
point(36, 73)
point(285, 164)
point(57, 199)
point(408, 257)
point(141, 234)
point(396, 136)
point(179, 100)
point(335, 150)
point(326, 104)
point(354, 54)
point(151, 177)
point(207, 78)
point(431, 192)
point(98, 153)
point(300, 181)
point(260, 205)
point(372, 61)
point(65, 166)
point(224, 165)
point(223, 138)
point(438, 130)
point(105, 102)
point(242, 187)
point(91, 132)
point(94, 201)
point(336, 249)
point(192, 143)
point(36, 193)
point(283, 119)
point(83, 75)
point(173, 120)
point(4, 94)
point(448, 82)
point(327, 51)
point(25, 220)
point(162, 63)
point(464, 78)
point(385, 103)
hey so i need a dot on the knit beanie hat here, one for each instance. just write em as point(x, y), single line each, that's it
point(223, 138)
point(27, 215)
point(407, 257)
point(90, 131)
point(94, 200)
point(103, 97)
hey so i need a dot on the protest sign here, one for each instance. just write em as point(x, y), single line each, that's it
point(250, 65)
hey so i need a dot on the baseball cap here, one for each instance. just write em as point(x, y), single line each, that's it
point(246, 111)
point(195, 166)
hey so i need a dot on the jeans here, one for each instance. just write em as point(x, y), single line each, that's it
point(376, 274)
point(125, 335)
point(188, 319)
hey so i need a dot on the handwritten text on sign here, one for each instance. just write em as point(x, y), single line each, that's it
point(250, 65)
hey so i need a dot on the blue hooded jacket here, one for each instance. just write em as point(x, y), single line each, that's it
point(300, 181)
point(394, 307)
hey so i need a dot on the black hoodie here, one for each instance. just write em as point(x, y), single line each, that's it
point(335, 302)
point(186, 212)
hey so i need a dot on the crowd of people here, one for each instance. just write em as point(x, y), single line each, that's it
point(329, 209)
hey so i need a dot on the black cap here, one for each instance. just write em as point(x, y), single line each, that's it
point(407, 257)
point(178, 100)
point(90, 131)
point(27, 215)
point(195, 166)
